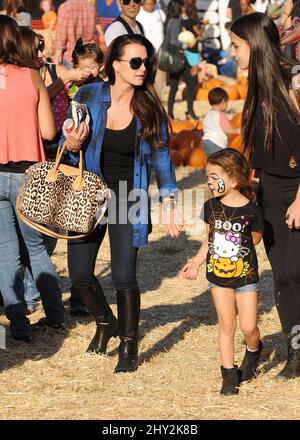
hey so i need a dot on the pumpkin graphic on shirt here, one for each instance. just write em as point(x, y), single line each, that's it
point(226, 260)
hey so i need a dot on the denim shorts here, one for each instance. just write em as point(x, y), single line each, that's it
point(246, 288)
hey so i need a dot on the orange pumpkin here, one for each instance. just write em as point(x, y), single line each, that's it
point(202, 95)
point(212, 83)
point(178, 126)
point(172, 143)
point(197, 158)
point(243, 80)
point(242, 89)
point(187, 138)
point(185, 153)
point(236, 121)
point(225, 268)
point(176, 158)
point(237, 143)
point(231, 137)
point(232, 92)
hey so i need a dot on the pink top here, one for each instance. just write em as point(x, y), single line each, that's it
point(20, 137)
point(224, 122)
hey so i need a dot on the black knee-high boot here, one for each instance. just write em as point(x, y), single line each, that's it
point(292, 366)
point(107, 325)
point(129, 304)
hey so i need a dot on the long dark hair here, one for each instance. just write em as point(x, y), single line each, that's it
point(174, 9)
point(10, 40)
point(145, 103)
point(267, 67)
point(235, 165)
point(27, 48)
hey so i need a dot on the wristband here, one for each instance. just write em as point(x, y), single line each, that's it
point(169, 204)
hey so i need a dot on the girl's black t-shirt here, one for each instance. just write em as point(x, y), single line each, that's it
point(231, 258)
point(117, 157)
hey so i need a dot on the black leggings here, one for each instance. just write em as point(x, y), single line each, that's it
point(82, 254)
point(282, 245)
point(190, 81)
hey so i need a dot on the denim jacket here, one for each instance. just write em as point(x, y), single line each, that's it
point(97, 98)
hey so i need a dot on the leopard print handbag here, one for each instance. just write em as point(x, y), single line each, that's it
point(69, 198)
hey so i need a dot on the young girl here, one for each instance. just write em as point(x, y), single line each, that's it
point(88, 58)
point(234, 226)
point(215, 123)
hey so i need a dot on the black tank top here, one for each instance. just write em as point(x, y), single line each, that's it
point(117, 156)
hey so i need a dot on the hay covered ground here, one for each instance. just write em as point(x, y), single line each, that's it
point(179, 372)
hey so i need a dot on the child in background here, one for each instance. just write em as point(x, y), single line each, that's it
point(49, 17)
point(234, 227)
point(215, 123)
point(86, 57)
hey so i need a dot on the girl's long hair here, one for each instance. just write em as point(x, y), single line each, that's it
point(145, 103)
point(235, 165)
point(267, 67)
point(10, 40)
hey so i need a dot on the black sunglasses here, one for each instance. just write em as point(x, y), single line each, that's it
point(41, 46)
point(126, 2)
point(136, 62)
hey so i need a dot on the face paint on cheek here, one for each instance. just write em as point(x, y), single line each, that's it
point(221, 185)
point(211, 184)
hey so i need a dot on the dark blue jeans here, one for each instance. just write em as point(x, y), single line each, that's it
point(82, 254)
point(20, 244)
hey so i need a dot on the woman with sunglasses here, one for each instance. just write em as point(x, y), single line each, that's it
point(25, 118)
point(127, 137)
point(126, 23)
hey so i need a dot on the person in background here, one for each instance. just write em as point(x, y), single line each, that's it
point(246, 7)
point(215, 123)
point(25, 117)
point(49, 20)
point(18, 10)
point(87, 58)
point(193, 24)
point(152, 21)
point(49, 17)
point(260, 5)
point(290, 30)
point(173, 29)
point(76, 18)
point(56, 78)
point(233, 10)
point(126, 23)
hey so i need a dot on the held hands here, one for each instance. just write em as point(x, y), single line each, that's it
point(172, 222)
point(190, 270)
point(76, 137)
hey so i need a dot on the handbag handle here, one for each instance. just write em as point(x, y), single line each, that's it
point(52, 175)
point(44, 230)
